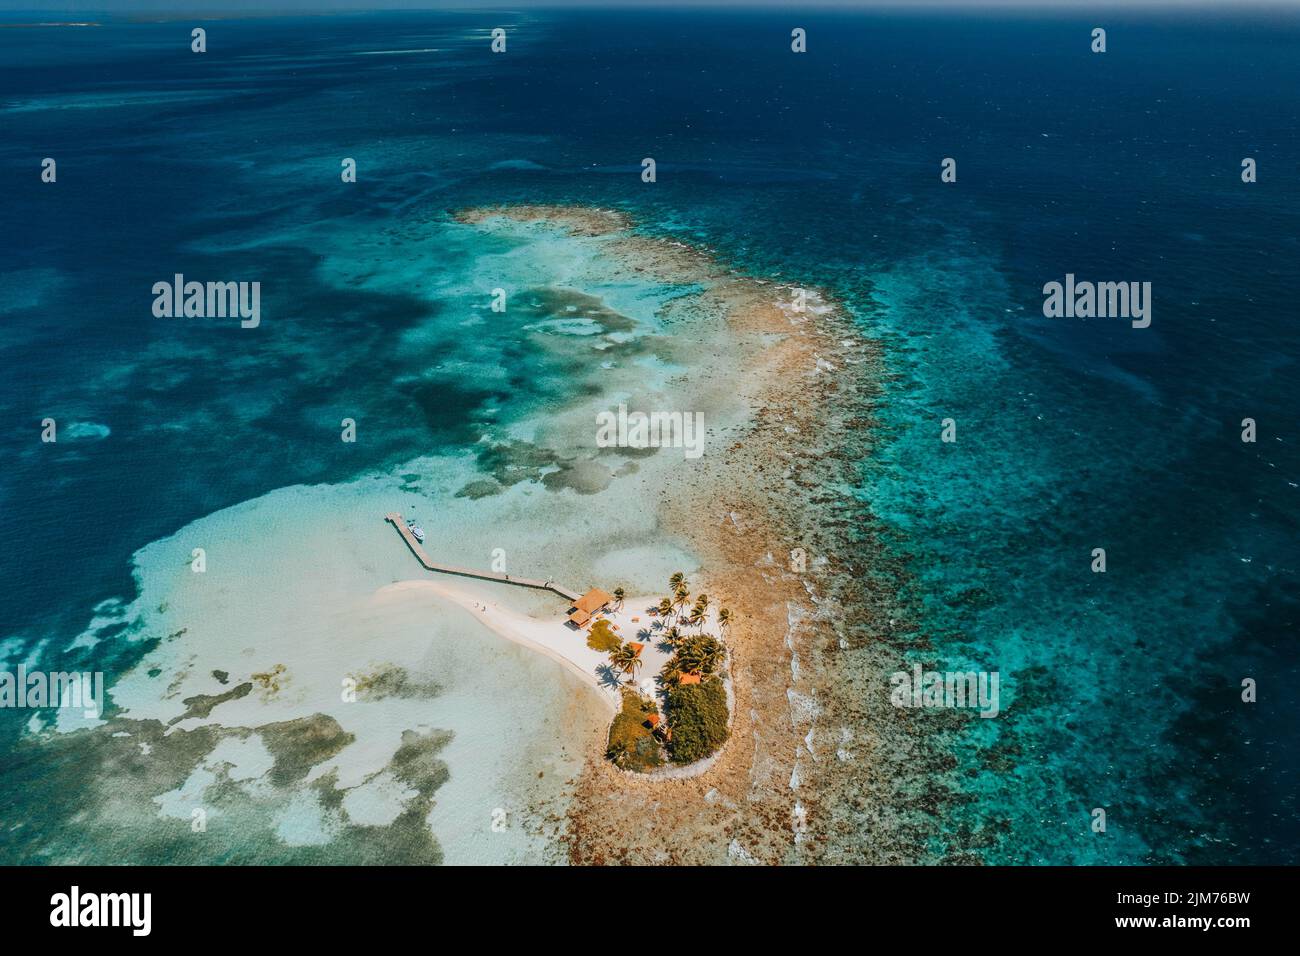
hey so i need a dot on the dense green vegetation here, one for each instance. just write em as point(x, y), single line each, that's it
point(695, 719)
point(632, 745)
point(698, 654)
point(697, 714)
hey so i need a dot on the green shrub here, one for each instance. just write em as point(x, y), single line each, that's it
point(602, 637)
point(632, 745)
point(697, 716)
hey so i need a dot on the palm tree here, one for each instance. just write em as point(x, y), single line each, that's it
point(711, 657)
point(724, 619)
point(677, 581)
point(682, 596)
point(702, 603)
point(701, 653)
point(673, 635)
point(619, 594)
point(665, 607)
point(697, 617)
point(626, 660)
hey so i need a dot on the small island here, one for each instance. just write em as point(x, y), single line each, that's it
point(671, 722)
point(681, 716)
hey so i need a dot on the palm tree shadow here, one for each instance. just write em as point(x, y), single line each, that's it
point(608, 677)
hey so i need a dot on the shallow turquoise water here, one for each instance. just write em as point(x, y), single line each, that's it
point(1121, 690)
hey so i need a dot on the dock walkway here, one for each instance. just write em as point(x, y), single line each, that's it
point(398, 522)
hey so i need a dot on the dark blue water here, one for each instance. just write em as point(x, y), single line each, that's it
point(1122, 689)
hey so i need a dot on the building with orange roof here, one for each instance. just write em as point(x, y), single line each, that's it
point(585, 607)
point(593, 601)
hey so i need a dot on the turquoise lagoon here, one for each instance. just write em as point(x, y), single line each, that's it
point(1120, 690)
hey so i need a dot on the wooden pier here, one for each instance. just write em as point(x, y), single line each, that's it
point(398, 522)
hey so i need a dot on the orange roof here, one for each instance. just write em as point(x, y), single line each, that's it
point(593, 600)
point(636, 648)
point(579, 617)
point(689, 679)
point(653, 720)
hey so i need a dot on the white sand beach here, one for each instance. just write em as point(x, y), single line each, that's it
point(554, 637)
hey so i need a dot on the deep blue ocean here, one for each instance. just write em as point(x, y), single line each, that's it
point(1122, 690)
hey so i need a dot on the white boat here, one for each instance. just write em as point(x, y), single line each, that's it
point(416, 531)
